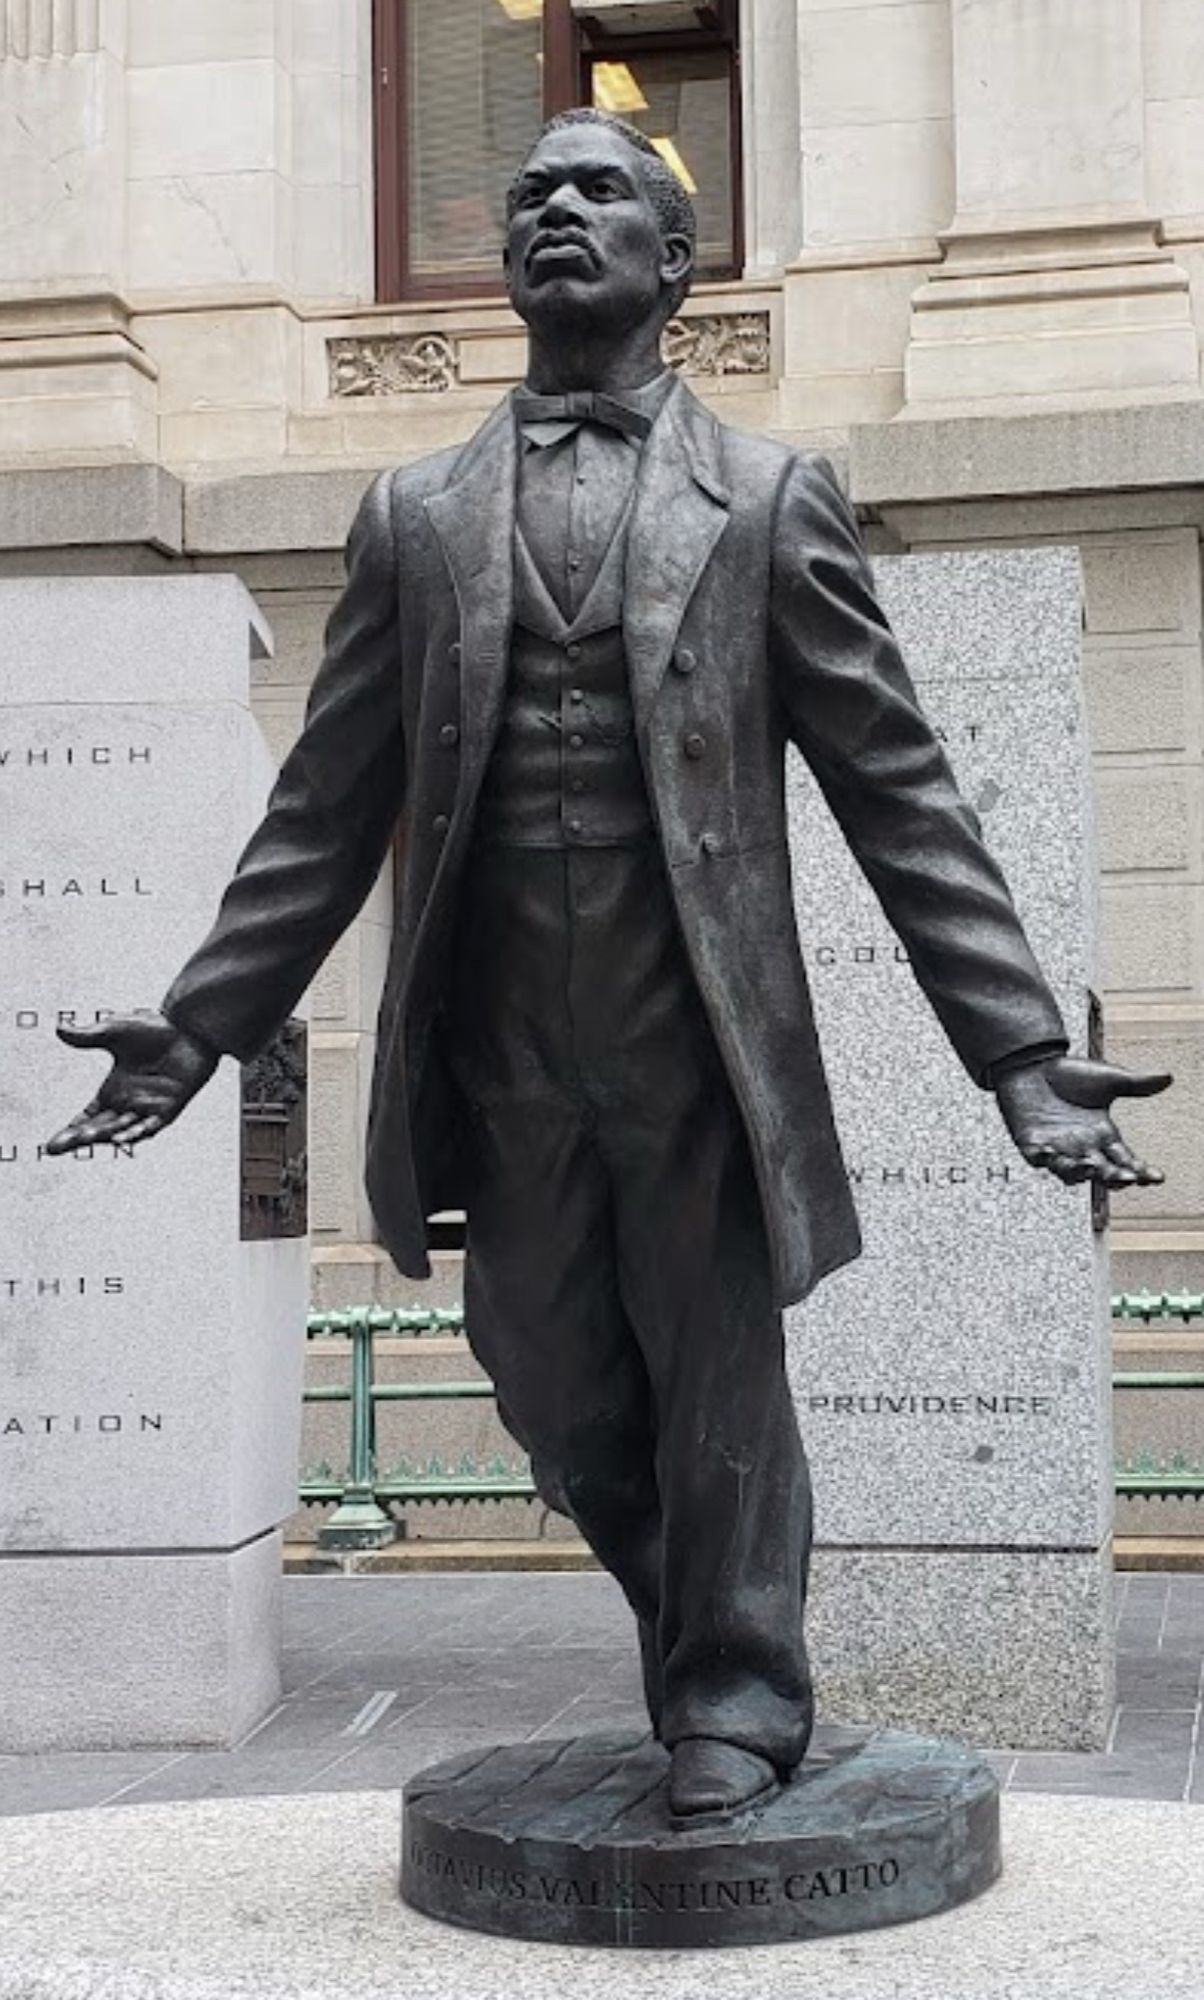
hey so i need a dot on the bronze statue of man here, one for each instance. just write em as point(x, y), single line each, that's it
point(568, 661)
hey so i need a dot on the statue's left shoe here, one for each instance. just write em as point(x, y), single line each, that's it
point(711, 1781)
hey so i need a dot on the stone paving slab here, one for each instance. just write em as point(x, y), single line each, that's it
point(387, 1674)
point(295, 1899)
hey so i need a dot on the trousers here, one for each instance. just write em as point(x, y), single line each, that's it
point(618, 1285)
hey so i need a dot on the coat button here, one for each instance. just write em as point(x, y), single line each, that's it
point(440, 824)
point(576, 742)
point(573, 649)
point(684, 660)
point(575, 826)
point(450, 735)
point(694, 746)
point(453, 653)
point(709, 843)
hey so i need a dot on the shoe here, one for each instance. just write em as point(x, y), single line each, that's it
point(711, 1781)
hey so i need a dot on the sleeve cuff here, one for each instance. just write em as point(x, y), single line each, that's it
point(1027, 1058)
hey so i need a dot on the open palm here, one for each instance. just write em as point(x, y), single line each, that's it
point(1059, 1114)
point(157, 1070)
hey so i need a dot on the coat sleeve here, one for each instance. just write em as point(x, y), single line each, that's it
point(851, 709)
point(309, 865)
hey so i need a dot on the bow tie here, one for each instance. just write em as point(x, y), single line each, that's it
point(580, 406)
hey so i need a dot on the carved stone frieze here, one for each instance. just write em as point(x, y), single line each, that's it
point(403, 364)
point(719, 344)
point(392, 364)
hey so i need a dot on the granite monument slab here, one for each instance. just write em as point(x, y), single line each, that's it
point(150, 1364)
point(953, 1385)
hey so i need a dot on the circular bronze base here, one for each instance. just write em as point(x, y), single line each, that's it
point(571, 1843)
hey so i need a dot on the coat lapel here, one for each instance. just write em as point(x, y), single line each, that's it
point(473, 518)
point(680, 511)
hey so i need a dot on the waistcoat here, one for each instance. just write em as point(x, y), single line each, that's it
point(566, 771)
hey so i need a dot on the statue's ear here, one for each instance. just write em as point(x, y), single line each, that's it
point(677, 260)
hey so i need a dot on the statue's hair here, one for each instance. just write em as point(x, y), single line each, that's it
point(673, 207)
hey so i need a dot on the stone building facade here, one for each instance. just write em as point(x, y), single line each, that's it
point(965, 257)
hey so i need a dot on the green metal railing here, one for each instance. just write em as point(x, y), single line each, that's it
point(1150, 1306)
point(1145, 1477)
point(365, 1492)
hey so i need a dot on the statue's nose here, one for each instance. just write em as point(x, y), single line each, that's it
point(563, 203)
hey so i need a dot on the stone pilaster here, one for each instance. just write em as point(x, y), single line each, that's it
point(875, 151)
point(37, 30)
point(75, 383)
point(1054, 285)
point(62, 146)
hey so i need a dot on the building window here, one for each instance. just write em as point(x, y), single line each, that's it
point(462, 87)
point(682, 99)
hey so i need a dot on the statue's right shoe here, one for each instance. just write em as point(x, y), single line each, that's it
point(711, 1781)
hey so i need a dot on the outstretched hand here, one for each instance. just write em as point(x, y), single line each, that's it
point(1058, 1114)
point(157, 1070)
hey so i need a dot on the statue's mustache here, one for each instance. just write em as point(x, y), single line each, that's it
point(559, 239)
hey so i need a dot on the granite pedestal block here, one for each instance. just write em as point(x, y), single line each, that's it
point(150, 1357)
point(571, 1843)
point(953, 1385)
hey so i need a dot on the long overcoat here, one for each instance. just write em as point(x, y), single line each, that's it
point(750, 621)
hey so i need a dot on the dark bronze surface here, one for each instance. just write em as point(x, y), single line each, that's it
point(570, 1842)
point(621, 1083)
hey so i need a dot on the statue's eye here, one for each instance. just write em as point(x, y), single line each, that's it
point(606, 188)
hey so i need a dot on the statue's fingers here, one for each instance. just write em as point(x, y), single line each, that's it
point(1093, 1085)
point(1039, 1156)
point(1140, 1083)
point(1123, 1157)
point(86, 1038)
point(79, 1132)
point(121, 1122)
point(1072, 1167)
point(67, 1139)
point(94, 1129)
point(144, 1127)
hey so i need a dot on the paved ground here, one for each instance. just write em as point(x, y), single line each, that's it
point(296, 1899)
point(384, 1675)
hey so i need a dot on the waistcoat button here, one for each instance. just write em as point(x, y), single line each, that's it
point(576, 742)
point(694, 746)
point(573, 649)
point(684, 660)
point(450, 735)
point(453, 653)
point(440, 823)
point(709, 843)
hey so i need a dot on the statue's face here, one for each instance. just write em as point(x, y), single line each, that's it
point(584, 237)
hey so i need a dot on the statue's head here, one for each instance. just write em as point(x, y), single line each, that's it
point(600, 230)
